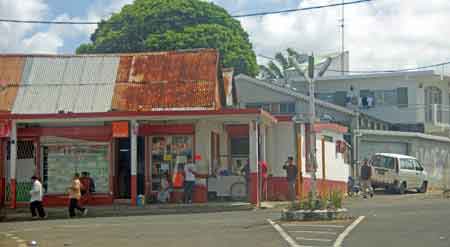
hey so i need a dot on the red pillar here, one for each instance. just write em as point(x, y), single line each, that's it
point(133, 190)
point(13, 193)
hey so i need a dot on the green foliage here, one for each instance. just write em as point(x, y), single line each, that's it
point(325, 201)
point(161, 25)
point(336, 198)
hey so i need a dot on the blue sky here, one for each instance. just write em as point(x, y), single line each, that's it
point(380, 34)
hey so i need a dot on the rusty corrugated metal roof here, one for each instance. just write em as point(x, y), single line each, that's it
point(10, 75)
point(167, 80)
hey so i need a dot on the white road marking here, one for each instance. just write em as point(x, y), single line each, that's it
point(283, 234)
point(346, 232)
point(315, 239)
point(313, 225)
point(317, 232)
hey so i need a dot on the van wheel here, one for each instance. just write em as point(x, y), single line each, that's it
point(402, 188)
point(424, 187)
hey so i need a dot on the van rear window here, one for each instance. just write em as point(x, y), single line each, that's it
point(383, 162)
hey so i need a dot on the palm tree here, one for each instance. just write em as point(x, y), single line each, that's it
point(276, 68)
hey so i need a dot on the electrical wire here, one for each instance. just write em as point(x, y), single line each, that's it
point(378, 71)
point(209, 18)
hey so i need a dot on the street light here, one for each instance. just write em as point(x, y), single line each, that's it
point(309, 73)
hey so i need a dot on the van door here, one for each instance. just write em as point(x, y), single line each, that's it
point(408, 172)
point(420, 176)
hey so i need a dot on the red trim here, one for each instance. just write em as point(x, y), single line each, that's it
point(173, 129)
point(2, 172)
point(133, 190)
point(13, 193)
point(89, 133)
point(284, 118)
point(239, 130)
point(200, 194)
point(63, 200)
point(148, 177)
point(128, 114)
point(319, 127)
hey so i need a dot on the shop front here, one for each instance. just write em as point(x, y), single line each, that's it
point(56, 154)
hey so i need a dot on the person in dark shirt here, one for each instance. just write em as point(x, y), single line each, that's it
point(291, 173)
point(366, 176)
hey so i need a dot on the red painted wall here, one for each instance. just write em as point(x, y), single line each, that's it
point(277, 187)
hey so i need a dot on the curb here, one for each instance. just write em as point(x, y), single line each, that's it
point(100, 212)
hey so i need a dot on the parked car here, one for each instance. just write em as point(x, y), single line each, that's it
point(398, 173)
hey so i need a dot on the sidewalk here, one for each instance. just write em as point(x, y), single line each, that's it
point(117, 210)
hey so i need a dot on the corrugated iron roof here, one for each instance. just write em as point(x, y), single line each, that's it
point(67, 83)
point(10, 76)
point(167, 80)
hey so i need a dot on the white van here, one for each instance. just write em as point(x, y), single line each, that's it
point(398, 173)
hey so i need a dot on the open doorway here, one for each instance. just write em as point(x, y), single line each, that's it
point(123, 168)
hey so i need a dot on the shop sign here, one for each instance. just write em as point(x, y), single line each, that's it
point(167, 157)
point(120, 129)
point(5, 128)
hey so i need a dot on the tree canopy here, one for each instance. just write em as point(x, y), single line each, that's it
point(162, 25)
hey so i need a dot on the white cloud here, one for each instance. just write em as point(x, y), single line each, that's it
point(379, 34)
point(12, 34)
point(54, 37)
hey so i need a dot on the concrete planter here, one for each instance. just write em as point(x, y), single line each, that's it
point(314, 215)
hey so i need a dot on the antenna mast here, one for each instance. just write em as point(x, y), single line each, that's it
point(343, 38)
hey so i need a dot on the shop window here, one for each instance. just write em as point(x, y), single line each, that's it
point(25, 150)
point(169, 154)
point(62, 161)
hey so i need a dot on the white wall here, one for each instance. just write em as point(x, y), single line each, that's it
point(203, 131)
point(281, 140)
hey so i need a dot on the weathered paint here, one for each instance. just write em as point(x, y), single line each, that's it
point(10, 77)
point(167, 80)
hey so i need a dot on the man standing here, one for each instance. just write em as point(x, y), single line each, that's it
point(74, 196)
point(246, 172)
point(366, 175)
point(291, 172)
point(189, 180)
point(36, 199)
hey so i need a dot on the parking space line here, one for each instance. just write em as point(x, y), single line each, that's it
point(317, 232)
point(313, 225)
point(347, 231)
point(283, 234)
point(314, 239)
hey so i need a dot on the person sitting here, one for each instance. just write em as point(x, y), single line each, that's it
point(164, 192)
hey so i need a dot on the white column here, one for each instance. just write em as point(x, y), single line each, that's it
point(263, 143)
point(13, 151)
point(134, 160)
point(134, 157)
point(13, 164)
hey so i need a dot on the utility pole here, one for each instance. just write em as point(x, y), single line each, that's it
point(311, 120)
point(311, 76)
point(343, 39)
